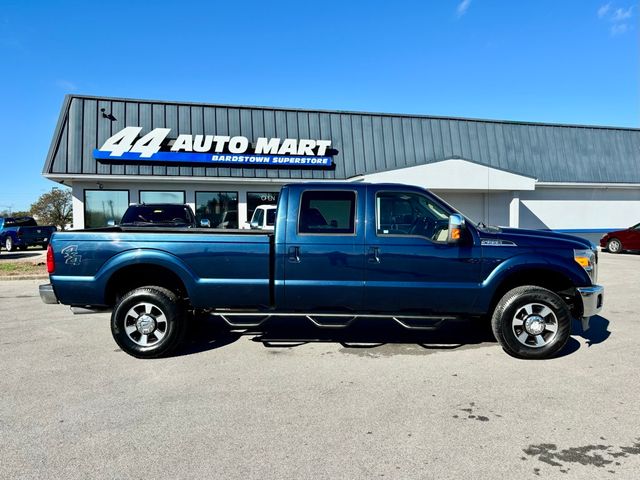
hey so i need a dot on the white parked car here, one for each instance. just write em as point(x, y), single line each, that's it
point(263, 218)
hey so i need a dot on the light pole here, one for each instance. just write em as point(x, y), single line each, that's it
point(8, 207)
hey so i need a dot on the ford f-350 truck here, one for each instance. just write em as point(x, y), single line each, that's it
point(340, 251)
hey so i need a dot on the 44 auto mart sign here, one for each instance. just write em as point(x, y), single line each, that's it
point(158, 147)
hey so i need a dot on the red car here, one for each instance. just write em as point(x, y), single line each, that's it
point(620, 240)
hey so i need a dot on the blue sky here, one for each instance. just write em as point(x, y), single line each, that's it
point(573, 61)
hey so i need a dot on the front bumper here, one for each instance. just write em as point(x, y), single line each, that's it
point(47, 295)
point(592, 300)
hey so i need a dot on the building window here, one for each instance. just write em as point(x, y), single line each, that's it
point(104, 207)
point(255, 199)
point(327, 212)
point(148, 196)
point(221, 208)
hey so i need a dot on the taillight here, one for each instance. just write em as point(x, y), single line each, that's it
point(51, 262)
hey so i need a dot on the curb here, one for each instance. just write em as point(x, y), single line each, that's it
point(25, 277)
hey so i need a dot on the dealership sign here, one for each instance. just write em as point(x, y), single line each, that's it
point(157, 147)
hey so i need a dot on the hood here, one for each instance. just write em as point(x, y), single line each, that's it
point(616, 232)
point(536, 238)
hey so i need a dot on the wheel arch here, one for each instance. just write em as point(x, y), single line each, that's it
point(559, 280)
point(138, 268)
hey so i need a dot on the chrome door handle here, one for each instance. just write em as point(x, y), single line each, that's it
point(294, 254)
point(374, 255)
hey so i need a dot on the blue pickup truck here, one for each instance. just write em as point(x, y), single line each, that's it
point(339, 251)
point(21, 232)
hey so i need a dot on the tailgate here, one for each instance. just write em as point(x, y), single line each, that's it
point(33, 235)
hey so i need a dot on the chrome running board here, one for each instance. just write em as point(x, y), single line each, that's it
point(410, 322)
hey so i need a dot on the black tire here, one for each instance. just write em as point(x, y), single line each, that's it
point(167, 312)
point(515, 306)
point(8, 244)
point(45, 245)
point(22, 248)
point(614, 246)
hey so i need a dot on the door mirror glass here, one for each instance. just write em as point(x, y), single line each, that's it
point(205, 223)
point(456, 225)
point(111, 223)
point(254, 225)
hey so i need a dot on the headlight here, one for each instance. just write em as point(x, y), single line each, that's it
point(587, 259)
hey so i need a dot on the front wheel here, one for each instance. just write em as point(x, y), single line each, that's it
point(148, 322)
point(614, 245)
point(8, 244)
point(531, 322)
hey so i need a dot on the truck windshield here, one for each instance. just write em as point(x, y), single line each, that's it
point(157, 214)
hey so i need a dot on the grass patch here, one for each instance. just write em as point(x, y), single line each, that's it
point(13, 269)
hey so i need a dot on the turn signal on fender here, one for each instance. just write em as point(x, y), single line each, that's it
point(583, 261)
point(455, 234)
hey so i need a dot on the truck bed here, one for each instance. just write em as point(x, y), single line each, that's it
point(230, 268)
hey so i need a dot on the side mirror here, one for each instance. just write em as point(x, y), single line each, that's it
point(456, 225)
point(205, 223)
point(254, 225)
point(111, 223)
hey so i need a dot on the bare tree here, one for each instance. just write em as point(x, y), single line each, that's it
point(54, 208)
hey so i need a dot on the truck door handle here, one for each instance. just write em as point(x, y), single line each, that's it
point(374, 255)
point(294, 254)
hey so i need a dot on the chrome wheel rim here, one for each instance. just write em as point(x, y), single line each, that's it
point(534, 325)
point(8, 244)
point(145, 324)
point(614, 246)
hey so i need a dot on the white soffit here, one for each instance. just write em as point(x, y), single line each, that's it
point(455, 174)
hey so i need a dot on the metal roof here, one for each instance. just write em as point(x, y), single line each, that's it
point(366, 142)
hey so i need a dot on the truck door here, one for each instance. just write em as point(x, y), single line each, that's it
point(410, 268)
point(324, 250)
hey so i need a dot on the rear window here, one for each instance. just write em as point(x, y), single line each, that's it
point(161, 214)
point(327, 212)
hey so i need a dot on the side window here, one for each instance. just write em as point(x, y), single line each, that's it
point(405, 213)
point(327, 212)
point(271, 217)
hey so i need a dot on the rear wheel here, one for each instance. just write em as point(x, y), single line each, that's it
point(614, 245)
point(531, 322)
point(148, 322)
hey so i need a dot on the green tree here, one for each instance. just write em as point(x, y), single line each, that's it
point(53, 208)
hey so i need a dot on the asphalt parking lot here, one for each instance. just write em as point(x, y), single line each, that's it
point(445, 405)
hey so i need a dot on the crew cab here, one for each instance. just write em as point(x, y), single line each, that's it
point(22, 232)
point(339, 251)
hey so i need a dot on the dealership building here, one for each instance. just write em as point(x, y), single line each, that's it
point(226, 160)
